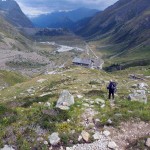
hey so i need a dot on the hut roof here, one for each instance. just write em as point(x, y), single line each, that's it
point(82, 61)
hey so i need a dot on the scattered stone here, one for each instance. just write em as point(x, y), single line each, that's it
point(65, 100)
point(112, 145)
point(41, 80)
point(97, 136)
point(61, 148)
point(109, 121)
point(94, 86)
point(86, 105)
point(148, 142)
point(97, 122)
point(79, 96)
point(40, 139)
point(45, 143)
point(106, 133)
point(6, 147)
point(102, 106)
point(45, 94)
point(98, 100)
point(134, 86)
point(54, 138)
point(47, 104)
point(31, 90)
point(68, 148)
point(79, 138)
point(85, 135)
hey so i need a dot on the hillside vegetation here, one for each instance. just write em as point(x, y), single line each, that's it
point(28, 110)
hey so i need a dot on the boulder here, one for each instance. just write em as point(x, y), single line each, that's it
point(54, 138)
point(112, 145)
point(138, 95)
point(65, 100)
point(148, 142)
point(85, 135)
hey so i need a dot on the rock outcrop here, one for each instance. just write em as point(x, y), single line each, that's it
point(65, 100)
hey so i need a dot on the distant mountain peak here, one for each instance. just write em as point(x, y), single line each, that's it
point(55, 19)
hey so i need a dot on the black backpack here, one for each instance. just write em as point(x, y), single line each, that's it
point(112, 86)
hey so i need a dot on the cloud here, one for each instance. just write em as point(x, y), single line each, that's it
point(36, 7)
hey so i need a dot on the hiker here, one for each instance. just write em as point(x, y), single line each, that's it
point(112, 89)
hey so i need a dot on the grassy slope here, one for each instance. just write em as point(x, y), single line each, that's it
point(20, 111)
point(11, 78)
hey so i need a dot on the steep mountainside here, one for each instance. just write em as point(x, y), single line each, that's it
point(118, 16)
point(11, 11)
point(63, 19)
point(126, 23)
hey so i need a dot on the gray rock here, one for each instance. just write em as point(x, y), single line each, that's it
point(40, 139)
point(65, 100)
point(138, 95)
point(6, 147)
point(98, 100)
point(41, 80)
point(142, 85)
point(45, 143)
point(45, 94)
point(106, 133)
point(47, 104)
point(112, 145)
point(148, 142)
point(134, 86)
point(54, 138)
point(86, 104)
point(85, 135)
point(109, 121)
point(102, 106)
point(79, 138)
point(94, 86)
point(79, 96)
point(97, 136)
point(31, 90)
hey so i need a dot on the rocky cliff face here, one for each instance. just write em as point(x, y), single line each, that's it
point(11, 11)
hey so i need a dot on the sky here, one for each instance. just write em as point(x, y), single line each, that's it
point(33, 8)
